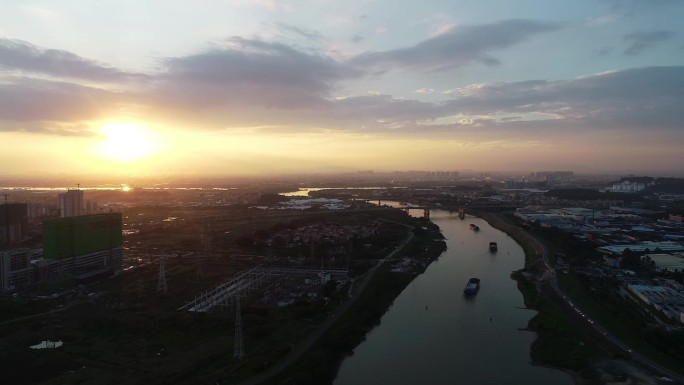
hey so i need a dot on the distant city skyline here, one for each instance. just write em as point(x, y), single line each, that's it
point(247, 87)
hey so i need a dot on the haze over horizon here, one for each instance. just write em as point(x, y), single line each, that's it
point(248, 87)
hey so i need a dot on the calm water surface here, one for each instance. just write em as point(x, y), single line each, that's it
point(435, 335)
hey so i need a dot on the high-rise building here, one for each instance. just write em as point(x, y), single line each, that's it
point(81, 244)
point(91, 207)
point(13, 223)
point(71, 203)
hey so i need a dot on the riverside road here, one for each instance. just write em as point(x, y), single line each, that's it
point(551, 290)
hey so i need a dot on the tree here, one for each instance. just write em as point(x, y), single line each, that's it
point(630, 259)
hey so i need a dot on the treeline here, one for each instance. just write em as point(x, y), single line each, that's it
point(585, 194)
point(667, 186)
point(660, 186)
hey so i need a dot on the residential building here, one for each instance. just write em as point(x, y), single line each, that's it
point(81, 245)
point(71, 203)
point(13, 223)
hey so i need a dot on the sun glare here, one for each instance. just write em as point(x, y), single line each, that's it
point(127, 142)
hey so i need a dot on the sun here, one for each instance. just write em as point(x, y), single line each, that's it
point(127, 142)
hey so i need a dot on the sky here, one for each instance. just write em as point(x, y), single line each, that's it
point(242, 87)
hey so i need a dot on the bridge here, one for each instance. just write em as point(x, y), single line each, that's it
point(460, 208)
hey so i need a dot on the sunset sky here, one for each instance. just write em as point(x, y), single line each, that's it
point(237, 87)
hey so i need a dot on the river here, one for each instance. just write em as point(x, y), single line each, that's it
point(435, 335)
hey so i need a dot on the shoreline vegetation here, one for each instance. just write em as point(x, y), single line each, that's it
point(559, 344)
point(590, 362)
point(320, 364)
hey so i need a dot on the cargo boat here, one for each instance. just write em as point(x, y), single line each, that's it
point(472, 287)
point(461, 214)
point(493, 246)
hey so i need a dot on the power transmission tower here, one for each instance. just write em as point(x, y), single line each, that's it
point(162, 274)
point(239, 348)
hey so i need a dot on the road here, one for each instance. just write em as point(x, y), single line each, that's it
point(551, 290)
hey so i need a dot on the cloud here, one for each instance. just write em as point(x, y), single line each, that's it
point(378, 107)
point(442, 29)
point(50, 128)
point(244, 80)
point(636, 8)
point(457, 47)
point(255, 83)
point(603, 51)
point(301, 32)
point(643, 98)
point(643, 40)
point(601, 20)
point(271, 5)
point(41, 13)
point(24, 57)
point(25, 100)
point(251, 72)
point(642, 3)
point(635, 102)
point(643, 101)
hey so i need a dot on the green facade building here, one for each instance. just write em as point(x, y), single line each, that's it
point(81, 235)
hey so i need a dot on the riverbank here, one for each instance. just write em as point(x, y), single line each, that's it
point(599, 358)
point(559, 343)
point(320, 363)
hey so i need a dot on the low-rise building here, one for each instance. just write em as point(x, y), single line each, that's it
point(663, 298)
point(641, 247)
point(16, 271)
point(670, 262)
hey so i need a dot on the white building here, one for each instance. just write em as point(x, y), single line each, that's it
point(110, 260)
point(16, 271)
point(628, 185)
